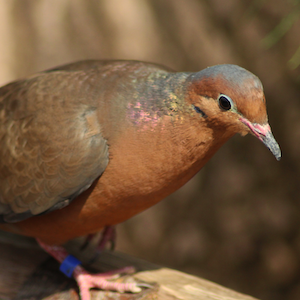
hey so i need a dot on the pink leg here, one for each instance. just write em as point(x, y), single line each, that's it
point(86, 281)
point(108, 236)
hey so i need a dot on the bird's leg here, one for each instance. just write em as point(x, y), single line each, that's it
point(87, 241)
point(71, 267)
point(108, 236)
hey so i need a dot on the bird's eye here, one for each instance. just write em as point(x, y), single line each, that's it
point(225, 102)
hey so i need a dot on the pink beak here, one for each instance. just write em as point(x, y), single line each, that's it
point(264, 134)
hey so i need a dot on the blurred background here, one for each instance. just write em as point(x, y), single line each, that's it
point(237, 222)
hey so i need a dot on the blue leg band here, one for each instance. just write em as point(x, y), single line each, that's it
point(68, 265)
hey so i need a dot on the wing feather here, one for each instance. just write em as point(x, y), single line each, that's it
point(51, 142)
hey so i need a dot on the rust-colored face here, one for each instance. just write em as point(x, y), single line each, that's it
point(231, 97)
point(246, 94)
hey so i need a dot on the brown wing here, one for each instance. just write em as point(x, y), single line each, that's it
point(51, 147)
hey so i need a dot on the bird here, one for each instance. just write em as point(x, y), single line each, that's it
point(90, 144)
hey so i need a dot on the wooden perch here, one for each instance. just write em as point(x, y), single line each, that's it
point(28, 273)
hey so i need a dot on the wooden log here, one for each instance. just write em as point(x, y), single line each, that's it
point(27, 273)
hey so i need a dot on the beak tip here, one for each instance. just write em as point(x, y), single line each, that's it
point(273, 146)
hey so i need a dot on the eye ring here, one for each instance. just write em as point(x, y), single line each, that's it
point(225, 102)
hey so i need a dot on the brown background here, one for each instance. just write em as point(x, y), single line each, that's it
point(237, 221)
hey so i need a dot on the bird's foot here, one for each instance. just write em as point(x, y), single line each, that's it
point(87, 281)
point(71, 266)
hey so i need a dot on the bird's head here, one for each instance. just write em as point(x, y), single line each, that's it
point(230, 97)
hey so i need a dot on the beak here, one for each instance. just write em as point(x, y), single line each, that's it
point(264, 134)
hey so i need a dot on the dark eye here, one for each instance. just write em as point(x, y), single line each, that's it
point(225, 102)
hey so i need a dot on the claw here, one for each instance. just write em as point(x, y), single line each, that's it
point(145, 285)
